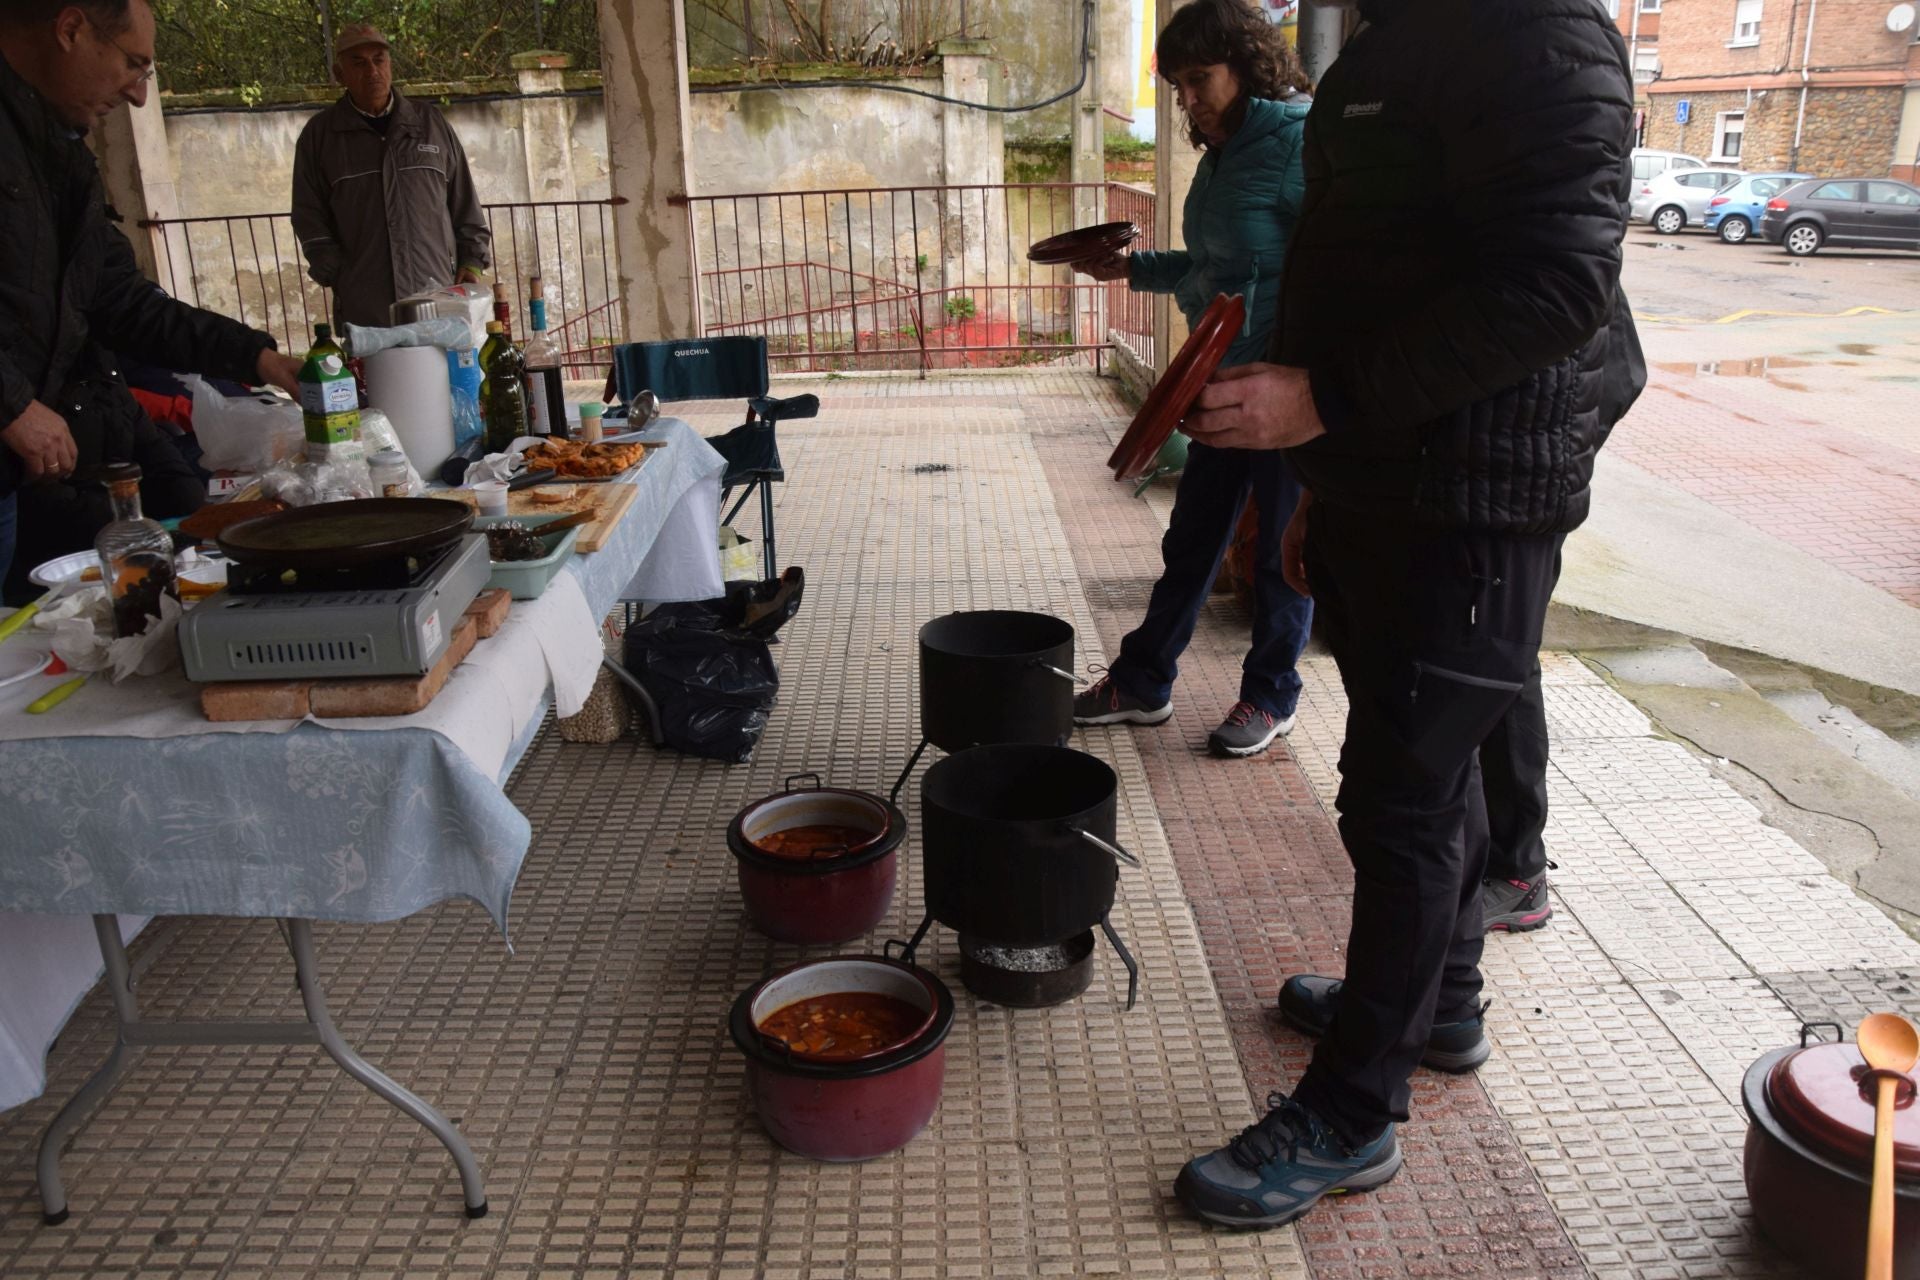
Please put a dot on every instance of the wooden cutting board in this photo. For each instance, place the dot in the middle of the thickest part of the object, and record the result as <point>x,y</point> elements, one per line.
<point>611,500</point>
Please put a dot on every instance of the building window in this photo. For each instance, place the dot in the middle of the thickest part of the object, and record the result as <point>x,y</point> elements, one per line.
<point>1649,6</point>
<point>1729,129</point>
<point>1646,64</point>
<point>1613,8</point>
<point>1746,23</point>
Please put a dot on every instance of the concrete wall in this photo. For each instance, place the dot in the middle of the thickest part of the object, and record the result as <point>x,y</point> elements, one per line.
<point>845,137</point>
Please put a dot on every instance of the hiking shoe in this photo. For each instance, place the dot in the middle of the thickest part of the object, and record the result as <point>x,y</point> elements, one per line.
<point>1247,731</point>
<point>1309,1001</point>
<point>1515,906</point>
<point>1107,703</point>
<point>1280,1166</point>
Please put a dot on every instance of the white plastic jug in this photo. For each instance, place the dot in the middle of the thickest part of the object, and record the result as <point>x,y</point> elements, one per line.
<point>409,385</point>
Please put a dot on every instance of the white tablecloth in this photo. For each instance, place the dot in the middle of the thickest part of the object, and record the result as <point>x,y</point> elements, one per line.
<point>124,800</point>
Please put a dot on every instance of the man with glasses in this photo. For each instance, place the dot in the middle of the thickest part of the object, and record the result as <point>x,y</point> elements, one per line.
<point>69,289</point>
<point>383,203</point>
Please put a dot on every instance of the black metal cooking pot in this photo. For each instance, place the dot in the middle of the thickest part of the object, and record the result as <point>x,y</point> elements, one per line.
<point>995,675</point>
<point>1018,843</point>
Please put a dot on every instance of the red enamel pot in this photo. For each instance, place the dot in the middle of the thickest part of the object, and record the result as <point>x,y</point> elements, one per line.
<point>852,1110</point>
<point>1809,1160</point>
<point>834,895</point>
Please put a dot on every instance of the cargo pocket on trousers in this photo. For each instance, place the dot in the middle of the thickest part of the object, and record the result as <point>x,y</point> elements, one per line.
<point>1450,713</point>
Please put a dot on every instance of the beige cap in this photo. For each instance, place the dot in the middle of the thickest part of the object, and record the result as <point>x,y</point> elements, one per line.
<point>355,34</point>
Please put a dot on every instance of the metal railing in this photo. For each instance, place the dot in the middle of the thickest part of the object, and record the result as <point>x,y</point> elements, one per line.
<point>1130,314</point>
<point>932,277</point>
<point>249,266</point>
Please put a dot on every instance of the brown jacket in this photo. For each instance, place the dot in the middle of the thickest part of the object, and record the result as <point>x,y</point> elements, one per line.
<point>385,218</point>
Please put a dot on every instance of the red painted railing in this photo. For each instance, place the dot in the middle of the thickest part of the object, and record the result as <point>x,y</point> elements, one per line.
<point>899,277</point>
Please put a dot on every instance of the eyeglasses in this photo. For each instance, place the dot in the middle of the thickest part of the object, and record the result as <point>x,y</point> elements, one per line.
<point>141,69</point>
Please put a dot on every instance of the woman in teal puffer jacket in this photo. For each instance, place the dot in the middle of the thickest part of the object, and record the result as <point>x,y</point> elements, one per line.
<point>1242,90</point>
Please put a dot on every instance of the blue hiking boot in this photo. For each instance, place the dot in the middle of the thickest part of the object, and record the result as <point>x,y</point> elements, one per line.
<point>1309,1001</point>
<point>1279,1167</point>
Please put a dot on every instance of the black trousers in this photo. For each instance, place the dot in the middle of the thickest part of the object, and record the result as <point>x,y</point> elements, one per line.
<point>1513,780</point>
<point>1436,634</point>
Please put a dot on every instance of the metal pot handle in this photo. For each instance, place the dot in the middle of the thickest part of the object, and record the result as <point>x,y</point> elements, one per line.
<point>1808,1028</point>
<point>1114,849</point>
<point>1043,665</point>
<point>808,774</point>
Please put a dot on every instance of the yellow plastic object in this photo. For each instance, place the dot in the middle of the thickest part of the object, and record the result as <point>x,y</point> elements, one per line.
<point>59,694</point>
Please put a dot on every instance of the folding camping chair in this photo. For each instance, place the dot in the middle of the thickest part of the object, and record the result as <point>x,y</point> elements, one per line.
<point>722,369</point>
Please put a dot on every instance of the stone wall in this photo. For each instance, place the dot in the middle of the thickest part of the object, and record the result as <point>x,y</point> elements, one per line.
<point>1847,131</point>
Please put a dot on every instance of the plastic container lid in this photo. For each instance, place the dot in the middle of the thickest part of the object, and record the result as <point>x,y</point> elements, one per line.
<point>592,409</point>
<point>1817,1097</point>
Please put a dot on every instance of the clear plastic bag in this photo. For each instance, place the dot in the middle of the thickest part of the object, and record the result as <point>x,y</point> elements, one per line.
<point>243,433</point>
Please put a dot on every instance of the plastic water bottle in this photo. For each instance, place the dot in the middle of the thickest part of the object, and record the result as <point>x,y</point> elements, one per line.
<point>463,372</point>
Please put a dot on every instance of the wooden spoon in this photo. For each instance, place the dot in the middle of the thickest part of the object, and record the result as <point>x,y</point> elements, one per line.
<point>1889,1043</point>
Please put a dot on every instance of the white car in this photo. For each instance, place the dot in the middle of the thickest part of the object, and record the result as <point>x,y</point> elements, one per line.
<point>1679,198</point>
<point>1648,163</point>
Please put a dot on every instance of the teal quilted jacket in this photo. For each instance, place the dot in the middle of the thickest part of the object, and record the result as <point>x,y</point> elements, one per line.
<point>1239,215</point>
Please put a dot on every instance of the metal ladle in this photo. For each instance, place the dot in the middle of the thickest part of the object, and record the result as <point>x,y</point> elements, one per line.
<point>1891,1045</point>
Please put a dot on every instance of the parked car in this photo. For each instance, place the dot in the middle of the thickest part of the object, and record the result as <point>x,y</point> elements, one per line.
<point>1735,212</point>
<point>1648,163</point>
<point>1847,213</point>
<point>1679,197</point>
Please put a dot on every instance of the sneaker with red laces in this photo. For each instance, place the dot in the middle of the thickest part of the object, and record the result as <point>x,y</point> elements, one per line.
<point>1247,731</point>
<point>1107,703</point>
<point>1515,906</point>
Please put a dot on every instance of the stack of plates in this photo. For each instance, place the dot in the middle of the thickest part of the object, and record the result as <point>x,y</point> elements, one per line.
<point>1088,244</point>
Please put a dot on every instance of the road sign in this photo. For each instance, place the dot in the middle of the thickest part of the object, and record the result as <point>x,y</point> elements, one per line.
<point>1682,111</point>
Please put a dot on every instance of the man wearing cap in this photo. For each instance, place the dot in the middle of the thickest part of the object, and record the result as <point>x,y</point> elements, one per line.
<point>383,203</point>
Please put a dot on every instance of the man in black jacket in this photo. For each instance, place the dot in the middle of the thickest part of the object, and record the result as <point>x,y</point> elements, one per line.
<point>69,289</point>
<point>1452,350</point>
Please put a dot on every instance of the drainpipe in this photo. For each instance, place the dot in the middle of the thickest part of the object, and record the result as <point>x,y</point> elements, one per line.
<point>1633,51</point>
<point>1806,57</point>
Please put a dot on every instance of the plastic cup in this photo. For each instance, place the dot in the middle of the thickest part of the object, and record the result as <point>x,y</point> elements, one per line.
<point>492,495</point>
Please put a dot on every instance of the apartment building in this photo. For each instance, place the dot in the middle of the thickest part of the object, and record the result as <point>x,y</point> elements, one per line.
<point>1823,86</point>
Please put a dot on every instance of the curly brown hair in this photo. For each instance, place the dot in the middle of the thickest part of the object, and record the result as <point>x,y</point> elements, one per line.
<point>1205,32</point>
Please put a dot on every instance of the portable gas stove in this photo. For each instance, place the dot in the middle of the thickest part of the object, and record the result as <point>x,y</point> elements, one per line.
<point>391,617</point>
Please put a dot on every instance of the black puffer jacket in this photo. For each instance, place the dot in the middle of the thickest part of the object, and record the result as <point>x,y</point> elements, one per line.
<point>1453,285</point>
<point>69,285</point>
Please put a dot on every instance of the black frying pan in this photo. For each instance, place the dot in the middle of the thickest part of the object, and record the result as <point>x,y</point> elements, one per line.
<point>339,535</point>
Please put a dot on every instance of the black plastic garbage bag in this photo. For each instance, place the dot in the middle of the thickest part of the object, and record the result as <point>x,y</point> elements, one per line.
<point>713,682</point>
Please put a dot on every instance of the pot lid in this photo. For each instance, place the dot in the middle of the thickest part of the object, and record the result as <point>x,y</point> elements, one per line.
<point>1816,1095</point>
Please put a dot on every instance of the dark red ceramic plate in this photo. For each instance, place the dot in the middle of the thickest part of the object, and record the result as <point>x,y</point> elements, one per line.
<point>1086,244</point>
<point>1167,404</point>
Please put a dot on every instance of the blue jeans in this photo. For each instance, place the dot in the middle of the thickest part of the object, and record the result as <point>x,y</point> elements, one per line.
<point>1213,490</point>
<point>9,514</point>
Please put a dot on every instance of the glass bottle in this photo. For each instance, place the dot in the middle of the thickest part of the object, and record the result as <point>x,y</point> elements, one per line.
<point>136,555</point>
<point>546,395</point>
<point>505,388</point>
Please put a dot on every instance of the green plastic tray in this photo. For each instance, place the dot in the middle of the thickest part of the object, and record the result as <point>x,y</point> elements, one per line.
<point>526,579</point>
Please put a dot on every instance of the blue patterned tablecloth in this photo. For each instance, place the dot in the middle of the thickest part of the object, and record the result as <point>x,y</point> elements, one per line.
<point>331,823</point>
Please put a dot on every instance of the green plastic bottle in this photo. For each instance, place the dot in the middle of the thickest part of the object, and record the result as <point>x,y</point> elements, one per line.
<point>329,399</point>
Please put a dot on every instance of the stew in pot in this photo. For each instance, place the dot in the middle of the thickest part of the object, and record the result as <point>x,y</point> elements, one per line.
<point>813,841</point>
<point>843,1025</point>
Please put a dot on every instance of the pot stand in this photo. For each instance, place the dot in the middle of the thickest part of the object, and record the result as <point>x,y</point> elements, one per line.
<point>893,796</point>
<point>912,945</point>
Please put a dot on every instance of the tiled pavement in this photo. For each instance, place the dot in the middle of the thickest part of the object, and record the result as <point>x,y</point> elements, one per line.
<point>590,1070</point>
<point>1803,435</point>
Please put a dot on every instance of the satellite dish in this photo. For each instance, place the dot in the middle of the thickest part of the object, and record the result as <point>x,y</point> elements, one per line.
<point>1900,18</point>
